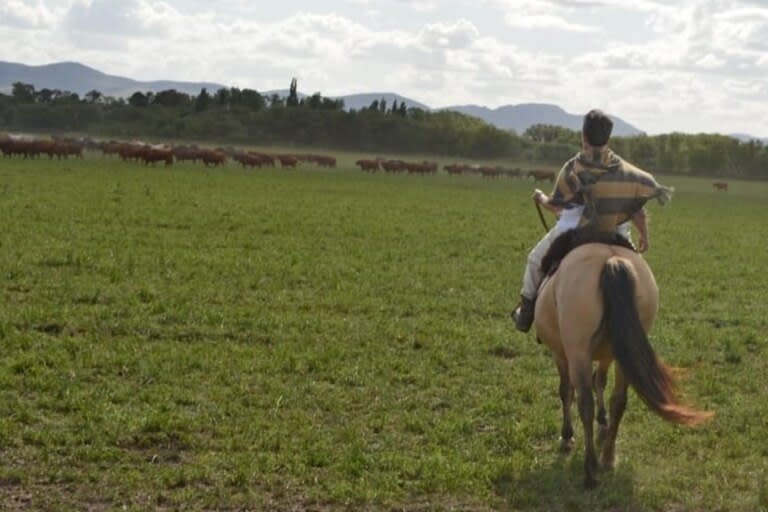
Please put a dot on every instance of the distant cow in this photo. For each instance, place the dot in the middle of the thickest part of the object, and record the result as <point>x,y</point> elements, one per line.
<point>288,160</point>
<point>247,160</point>
<point>153,155</point>
<point>368,165</point>
<point>393,165</point>
<point>720,185</point>
<point>542,176</point>
<point>324,161</point>
<point>212,157</point>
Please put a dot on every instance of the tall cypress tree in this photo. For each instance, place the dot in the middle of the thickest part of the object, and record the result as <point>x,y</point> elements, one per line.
<point>293,96</point>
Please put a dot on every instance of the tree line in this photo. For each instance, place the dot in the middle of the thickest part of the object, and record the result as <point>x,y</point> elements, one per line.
<point>233,115</point>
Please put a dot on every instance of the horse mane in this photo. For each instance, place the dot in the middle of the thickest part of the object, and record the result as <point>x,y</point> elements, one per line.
<point>574,238</point>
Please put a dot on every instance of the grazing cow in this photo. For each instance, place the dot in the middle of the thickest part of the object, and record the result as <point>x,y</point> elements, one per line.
<point>211,157</point>
<point>185,153</point>
<point>288,161</point>
<point>131,151</point>
<point>720,185</point>
<point>490,172</point>
<point>153,155</point>
<point>421,168</point>
<point>393,165</point>
<point>247,160</point>
<point>109,148</point>
<point>453,168</point>
<point>542,176</point>
<point>265,159</point>
<point>368,165</point>
<point>325,161</point>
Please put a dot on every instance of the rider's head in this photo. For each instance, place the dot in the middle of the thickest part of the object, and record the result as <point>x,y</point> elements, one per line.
<point>597,128</point>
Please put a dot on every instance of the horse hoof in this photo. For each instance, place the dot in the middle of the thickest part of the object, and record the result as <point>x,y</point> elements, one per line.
<point>566,445</point>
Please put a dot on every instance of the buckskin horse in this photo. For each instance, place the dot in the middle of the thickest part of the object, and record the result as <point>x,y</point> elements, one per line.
<point>599,306</point>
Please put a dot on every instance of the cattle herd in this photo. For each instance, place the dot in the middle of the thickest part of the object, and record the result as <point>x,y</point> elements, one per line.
<point>398,166</point>
<point>166,154</point>
<point>150,154</point>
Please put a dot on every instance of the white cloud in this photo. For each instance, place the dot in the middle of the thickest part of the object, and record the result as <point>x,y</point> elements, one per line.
<point>691,59</point>
<point>25,14</point>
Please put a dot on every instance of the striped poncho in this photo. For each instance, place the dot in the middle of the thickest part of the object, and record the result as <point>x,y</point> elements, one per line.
<point>610,189</point>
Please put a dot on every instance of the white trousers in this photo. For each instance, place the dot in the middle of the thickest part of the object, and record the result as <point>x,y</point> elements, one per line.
<point>569,219</point>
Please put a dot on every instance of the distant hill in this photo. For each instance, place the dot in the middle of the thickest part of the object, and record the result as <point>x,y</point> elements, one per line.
<point>358,101</point>
<point>743,137</point>
<point>521,117</point>
<point>78,78</point>
<point>75,77</point>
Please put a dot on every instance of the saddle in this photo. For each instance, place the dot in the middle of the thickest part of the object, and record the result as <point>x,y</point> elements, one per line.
<point>574,238</point>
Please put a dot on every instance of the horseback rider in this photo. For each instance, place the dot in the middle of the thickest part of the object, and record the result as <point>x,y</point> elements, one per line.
<point>595,189</point>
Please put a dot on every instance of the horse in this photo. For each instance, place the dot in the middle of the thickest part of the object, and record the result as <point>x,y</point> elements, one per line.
<point>599,305</point>
<point>720,185</point>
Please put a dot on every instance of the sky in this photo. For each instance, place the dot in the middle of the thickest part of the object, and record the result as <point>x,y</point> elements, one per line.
<point>662,65</point>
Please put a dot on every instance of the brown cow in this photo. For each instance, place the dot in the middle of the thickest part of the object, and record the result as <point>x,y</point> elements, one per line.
<point>265,159</point>
<point>211,157</point>
<point>185,153</point>
<point>720,185</point>
<point>153,155</point>
<point>288,161</point>
<point>324,161</point>
<point>368,165</point>
<point>393,165</point>
<point>131,151</point>
<point>542,176</point>
<point>454,168</point>
<point>247,160</point>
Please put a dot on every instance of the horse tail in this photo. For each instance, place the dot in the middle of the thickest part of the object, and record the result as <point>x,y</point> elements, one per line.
<point>650,378</point>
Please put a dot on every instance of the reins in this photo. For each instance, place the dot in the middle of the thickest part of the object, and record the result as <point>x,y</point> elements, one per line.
<point>541,216</point>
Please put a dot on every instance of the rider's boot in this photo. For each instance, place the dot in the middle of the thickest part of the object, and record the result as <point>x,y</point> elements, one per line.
<point>523,314</point>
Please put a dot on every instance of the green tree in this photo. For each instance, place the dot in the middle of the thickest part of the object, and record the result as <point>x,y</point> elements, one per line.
<point>93,96</point>
<point>252,99</point>
<point>139,99</point>
<point>203,100</point>
<point>171,98</point>
<point>23,93</point>
<point>223,97</point>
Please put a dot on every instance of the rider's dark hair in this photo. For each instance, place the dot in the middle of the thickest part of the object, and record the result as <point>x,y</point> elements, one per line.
<point>597,127</point>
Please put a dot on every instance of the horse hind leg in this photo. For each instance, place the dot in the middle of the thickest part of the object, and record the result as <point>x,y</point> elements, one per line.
<point>581,377</point>
<point>599,383</point>
<point>566,398</point>
<point>618,406</point>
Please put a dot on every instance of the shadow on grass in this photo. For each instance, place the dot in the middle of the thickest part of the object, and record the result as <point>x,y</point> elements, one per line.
<point>559,487</point>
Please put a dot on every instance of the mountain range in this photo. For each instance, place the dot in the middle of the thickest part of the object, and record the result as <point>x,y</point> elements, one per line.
<point>78,78</point>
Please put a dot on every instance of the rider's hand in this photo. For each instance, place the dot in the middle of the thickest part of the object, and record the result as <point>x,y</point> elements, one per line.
<point>642,244</point>
<point>539,196</point>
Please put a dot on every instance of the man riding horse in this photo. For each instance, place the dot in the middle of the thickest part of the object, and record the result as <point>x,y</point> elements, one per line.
<point>595,189</point>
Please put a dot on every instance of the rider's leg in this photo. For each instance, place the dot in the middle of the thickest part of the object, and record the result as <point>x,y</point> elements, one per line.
<point>532,277</point>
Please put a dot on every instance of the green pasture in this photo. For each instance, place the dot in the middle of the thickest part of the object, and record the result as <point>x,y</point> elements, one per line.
<point>190,339</point>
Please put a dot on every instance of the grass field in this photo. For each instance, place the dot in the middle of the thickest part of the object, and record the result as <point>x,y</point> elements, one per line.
<point>191,339</point>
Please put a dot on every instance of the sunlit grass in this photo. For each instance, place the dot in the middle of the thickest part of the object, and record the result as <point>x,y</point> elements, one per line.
<point>185,338</point>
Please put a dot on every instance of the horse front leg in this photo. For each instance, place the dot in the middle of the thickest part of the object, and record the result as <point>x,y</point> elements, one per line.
<point>566,398</point>
<point>618,406</point>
